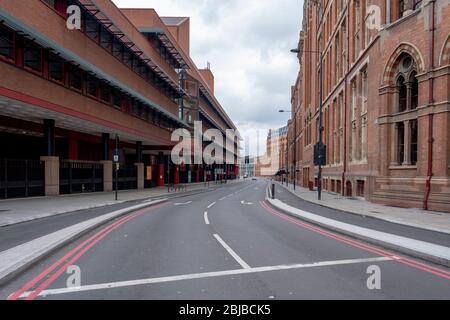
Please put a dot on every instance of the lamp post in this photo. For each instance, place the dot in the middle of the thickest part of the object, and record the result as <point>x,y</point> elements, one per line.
<point>320,144</point>
<point>295,146</point>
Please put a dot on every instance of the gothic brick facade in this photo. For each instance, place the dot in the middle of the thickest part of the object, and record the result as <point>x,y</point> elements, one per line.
<point>386,100</point>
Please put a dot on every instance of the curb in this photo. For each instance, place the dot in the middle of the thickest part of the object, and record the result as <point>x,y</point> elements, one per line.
<point>419,249</point>
<point>168,196</point>
<point>16,259</point>
<point>412,225</point>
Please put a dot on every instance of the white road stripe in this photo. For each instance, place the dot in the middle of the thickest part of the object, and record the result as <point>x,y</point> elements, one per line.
<point>232,253</point>
<point>183,203</point>
<point>140,282</point>
<point>212,204</point>
<point>223,198</point>
<point>206,217</point>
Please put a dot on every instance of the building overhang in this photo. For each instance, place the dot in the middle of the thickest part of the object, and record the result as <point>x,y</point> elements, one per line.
<point>44,41</point>
<point>161,35</point>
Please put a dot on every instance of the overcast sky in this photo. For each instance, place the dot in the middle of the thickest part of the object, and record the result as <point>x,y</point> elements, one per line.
<point>247,43</point>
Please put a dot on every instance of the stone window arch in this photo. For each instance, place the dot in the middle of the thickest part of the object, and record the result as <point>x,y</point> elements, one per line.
<point>445,53</point>
<point>401,77</point>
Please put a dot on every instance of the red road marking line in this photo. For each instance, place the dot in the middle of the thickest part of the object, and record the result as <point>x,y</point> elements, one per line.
<point>418,265</point>
<point>368,246</point>
<point>99,235</point>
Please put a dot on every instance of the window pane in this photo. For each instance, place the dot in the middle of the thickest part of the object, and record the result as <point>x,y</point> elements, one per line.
<point>33,56</point>
<point>75,78</point>
<point>414,138</point>
<point>6,43</point>
<point>55,67</point>
<point>128,58</point>
<point>105,38</point>
<point>117,98</point>
<point>92,27</point>
<point>92,86</point>
<point>401,142</point>
<point>117,48</point>
<point>51,3</point>
<point>105,91</point>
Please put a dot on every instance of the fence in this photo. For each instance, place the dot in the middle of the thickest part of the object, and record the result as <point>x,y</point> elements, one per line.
<point>80,177</point>
<point>21,178</point>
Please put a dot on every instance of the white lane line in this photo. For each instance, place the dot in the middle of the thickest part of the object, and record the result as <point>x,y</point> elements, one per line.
<point>206,217</point>
<point>183,203</point>
<point>204,275</point>
<point>211,205</point>
<point>232,253</point>
<point>223,198</point>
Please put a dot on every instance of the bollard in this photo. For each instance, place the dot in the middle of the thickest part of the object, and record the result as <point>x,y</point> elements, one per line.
<point>273,190</point>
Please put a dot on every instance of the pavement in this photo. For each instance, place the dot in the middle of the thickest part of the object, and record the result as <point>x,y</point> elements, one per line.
<point>429,220</point>
<point>13,211</point>
<point>224,244</point>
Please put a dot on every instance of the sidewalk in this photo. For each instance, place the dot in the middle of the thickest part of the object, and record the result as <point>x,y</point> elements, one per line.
<point>428,220</point>
<point>15,211</point>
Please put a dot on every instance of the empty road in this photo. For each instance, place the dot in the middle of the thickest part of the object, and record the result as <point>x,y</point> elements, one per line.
<point>225,244</point>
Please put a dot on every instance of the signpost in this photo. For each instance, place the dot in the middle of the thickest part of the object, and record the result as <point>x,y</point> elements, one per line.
<point>116,167</point>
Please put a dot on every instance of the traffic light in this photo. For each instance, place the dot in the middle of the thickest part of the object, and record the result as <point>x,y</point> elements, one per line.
<point>320,154</point>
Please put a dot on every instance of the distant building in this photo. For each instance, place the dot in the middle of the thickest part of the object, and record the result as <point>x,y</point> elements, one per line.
<point>247,166</point>
<point>276,154</point>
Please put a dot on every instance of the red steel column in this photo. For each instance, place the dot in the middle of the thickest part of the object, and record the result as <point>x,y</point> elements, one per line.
<point>161,175</point>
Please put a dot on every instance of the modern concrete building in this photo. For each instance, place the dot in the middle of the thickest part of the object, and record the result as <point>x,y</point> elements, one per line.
<point>386,97</point>
<point>65,95</point>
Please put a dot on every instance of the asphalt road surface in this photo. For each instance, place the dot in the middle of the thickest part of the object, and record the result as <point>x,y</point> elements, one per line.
<point>226,244</point>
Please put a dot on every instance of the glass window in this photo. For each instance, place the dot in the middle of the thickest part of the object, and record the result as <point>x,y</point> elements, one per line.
<point>117,48</point>
<point>92,27</point>
<point>75,77</point>
<point>116,98</point>
<point>51,3</point>
<point>402,95</point>
<point>128,58</point>
<point>55,67</point>
<point>414,92</point>
<point>401,142</point>
<point>6,43</point>
<point>92,86</point>
<point>105,92</point>
<point>414,136</point>
<point>105,38</point>
<point>33,56</point>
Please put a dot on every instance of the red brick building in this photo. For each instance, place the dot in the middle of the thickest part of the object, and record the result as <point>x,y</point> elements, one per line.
<point>386,98</point>
<point>66,94</point>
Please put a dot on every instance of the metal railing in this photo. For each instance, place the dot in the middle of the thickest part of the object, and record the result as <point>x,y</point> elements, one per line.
<point>80,176</point>
<point>21,178</point>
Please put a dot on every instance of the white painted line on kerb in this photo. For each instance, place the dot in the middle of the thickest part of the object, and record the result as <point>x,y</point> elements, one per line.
<point>140,282</point>
<point>206,217</point>
<point>232,253</point>
<point>212,204</point>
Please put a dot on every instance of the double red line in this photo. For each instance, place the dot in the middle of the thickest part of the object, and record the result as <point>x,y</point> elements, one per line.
<point>401,259</point>
<point>71,257</point>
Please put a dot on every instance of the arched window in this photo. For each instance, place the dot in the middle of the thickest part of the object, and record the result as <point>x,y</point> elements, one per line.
<point>407,84</point>
<point>402,94</point>
<point>414,90</point>
<point>405,129</point>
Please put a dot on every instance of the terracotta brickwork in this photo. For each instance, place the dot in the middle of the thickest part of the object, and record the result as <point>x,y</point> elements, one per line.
<point>386,100</point>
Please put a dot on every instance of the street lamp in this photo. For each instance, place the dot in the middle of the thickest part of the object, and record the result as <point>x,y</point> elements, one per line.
<point>320,147</point>
<point>295,147</point>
